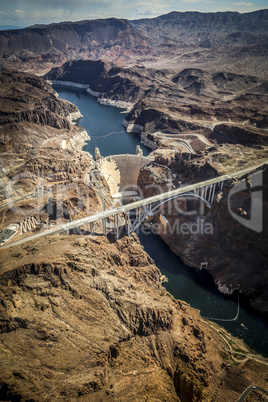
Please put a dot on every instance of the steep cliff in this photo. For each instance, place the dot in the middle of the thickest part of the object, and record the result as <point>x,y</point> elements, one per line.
<point>192,107</point>
<point>234,252</point>
<point>90,321</point>
<point>106,79</point>
<point>207,29</point>
<point>32,113</point>
<point>41,47</point>
<point>227,38</point>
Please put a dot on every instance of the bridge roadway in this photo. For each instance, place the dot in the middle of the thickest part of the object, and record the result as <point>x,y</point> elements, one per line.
<point>101,216</point>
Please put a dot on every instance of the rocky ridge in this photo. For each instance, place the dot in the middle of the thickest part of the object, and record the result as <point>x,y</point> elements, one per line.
<point>32,113</point>
<point>231,41</point>
<point>191,38</point>
<point>207,29</point>
<point>193,107</point>
<point>234,255</point>
<point>43,173</point>
<point>42,47</point>
<point>201,124</point>
<point>91,321</point>
<point>82,317</point>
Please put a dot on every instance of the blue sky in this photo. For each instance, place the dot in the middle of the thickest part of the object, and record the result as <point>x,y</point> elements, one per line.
<point>29,12</point>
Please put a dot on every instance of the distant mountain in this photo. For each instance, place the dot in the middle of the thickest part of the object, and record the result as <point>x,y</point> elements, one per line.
<point>191,36</point>
<point>231,41</point>
<point>207,29</point>
<point>111,39</point>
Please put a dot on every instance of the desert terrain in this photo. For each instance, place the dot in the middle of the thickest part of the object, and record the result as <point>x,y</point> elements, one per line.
<point>87,317</point>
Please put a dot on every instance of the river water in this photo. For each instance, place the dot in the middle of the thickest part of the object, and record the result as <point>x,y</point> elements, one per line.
<point>104,126</point>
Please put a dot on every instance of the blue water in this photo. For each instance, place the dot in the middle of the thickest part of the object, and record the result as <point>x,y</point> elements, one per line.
<point>104,125</point>
<point>199,290</point>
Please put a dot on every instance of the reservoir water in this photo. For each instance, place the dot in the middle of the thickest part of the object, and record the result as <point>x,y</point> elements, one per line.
<point>104,125</point>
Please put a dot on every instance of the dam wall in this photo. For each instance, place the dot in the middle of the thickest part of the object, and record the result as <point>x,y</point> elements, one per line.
<point>123,171</point>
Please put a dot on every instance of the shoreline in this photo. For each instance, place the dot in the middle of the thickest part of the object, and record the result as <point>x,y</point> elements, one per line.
<point>138,129</point>
<point>102,101</point>
<point>79,140</point>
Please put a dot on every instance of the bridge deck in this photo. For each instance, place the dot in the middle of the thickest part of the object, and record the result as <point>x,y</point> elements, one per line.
<point>137,204</point>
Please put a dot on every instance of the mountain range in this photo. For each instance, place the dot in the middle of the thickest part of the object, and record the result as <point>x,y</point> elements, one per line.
<point>87,318</point>
<point>176,37</point>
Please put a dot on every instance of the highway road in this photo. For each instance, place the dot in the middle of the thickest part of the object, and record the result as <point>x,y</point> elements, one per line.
<point>137,204</point>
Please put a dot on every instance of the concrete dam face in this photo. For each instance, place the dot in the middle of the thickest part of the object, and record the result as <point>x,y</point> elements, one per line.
<point>121,172</point>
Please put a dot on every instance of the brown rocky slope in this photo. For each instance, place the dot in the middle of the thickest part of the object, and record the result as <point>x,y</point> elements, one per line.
<point>210,107</point>
<point>236,40</point>
<point>41,47</point>
<point>84,319</point>
<point>32,113</point>
<point>235,254</point>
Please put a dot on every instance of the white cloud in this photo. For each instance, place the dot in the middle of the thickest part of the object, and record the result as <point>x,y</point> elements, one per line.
<point>158,4</point>
<point>30,12</point>
<point>141,11</point>
<point>243,4</point>
<point>147,8</point>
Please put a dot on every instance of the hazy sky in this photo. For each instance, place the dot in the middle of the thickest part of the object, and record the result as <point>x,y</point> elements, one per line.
<point>29,12</point>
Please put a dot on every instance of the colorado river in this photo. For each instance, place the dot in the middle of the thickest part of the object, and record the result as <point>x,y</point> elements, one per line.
<point>104,126</point>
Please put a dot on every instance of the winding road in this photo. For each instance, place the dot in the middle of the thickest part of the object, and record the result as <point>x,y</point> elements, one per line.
<point>249,390</point>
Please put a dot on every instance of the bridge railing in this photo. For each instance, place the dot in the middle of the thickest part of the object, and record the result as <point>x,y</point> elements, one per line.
<point>102,216</point>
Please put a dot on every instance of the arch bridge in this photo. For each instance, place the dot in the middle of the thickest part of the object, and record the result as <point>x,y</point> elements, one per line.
<point>143,208</point>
